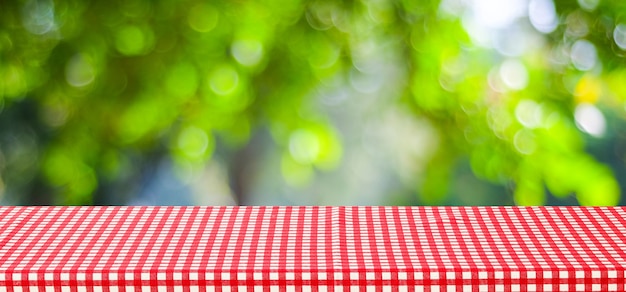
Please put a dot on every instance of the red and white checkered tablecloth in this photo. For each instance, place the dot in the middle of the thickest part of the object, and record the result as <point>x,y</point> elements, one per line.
<point>312,249</point>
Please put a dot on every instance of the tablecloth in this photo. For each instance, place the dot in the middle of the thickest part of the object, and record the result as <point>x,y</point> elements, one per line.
<point>345,249</point>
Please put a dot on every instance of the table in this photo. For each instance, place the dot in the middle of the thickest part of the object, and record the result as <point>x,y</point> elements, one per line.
<point>344,249</point>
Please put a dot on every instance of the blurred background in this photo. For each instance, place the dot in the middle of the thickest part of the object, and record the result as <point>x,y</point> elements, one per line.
<point>286,102</point>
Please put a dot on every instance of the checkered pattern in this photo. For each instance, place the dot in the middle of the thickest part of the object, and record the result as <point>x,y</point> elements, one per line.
<point>346,249</point>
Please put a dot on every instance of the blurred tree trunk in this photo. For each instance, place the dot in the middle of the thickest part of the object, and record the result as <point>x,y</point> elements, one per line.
<point>243,165</point>
<point>39,194</point>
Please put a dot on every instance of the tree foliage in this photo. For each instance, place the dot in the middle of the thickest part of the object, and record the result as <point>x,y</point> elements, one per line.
<point>90,90</point>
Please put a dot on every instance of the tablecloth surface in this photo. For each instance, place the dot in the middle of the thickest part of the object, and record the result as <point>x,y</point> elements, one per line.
<point>312,249</point>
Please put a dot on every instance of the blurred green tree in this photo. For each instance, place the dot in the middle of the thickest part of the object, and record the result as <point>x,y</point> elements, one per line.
<point>91,92</point>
